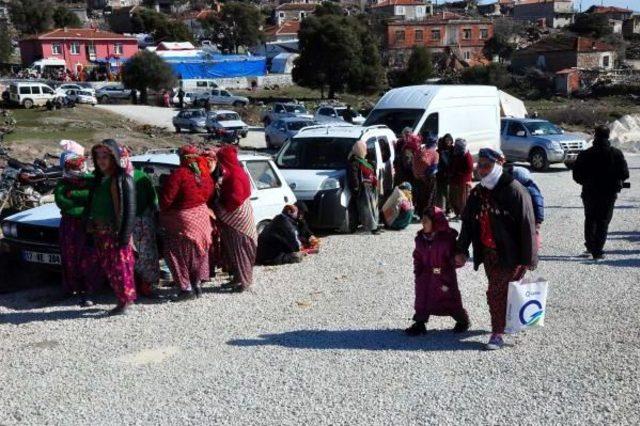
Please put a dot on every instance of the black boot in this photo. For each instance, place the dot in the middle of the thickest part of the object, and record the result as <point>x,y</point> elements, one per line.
<point>121,309</point>
<point>183,296</point>
<point>85,301</point>
<point>197,288</point>
<point>417,329</point>
<point>462,323</point>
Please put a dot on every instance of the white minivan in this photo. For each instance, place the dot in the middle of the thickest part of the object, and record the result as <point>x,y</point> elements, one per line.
<point>29,94</point>
<point>468,112</point>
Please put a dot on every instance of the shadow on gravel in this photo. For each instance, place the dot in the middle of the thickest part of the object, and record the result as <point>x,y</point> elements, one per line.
<point>625,263</point>
<point>18,318</point>
<point>624,235</point>
<point>625,206</point>
<point>368,340</point>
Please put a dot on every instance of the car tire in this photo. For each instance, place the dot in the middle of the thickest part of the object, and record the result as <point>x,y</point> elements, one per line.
<point>569,165</point>
<point>103,99</point>
<point>262,225</point>
<point>267,121</point>
<point>538,159</point>
<point>178,129</point>
<point>27,104</point>
<point>268,141</point>
<point>239,104</point>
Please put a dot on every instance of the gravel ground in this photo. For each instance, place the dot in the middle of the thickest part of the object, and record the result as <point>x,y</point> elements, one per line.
<point>321,343</point>
<point>161,117</point>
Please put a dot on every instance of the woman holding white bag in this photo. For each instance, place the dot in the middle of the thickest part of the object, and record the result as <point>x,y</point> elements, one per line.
<point>499,221</point>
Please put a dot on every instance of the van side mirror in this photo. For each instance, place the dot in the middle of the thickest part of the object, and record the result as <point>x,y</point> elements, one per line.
<point>521,133</point>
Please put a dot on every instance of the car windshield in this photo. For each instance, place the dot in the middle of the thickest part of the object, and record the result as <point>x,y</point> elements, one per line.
<point>316,153</point>
<point>84,93</point>
<point>537,128</point>
<point>297,125</point>
<point>395,119</point>
<point>227,116</point>
<point>295,109</point>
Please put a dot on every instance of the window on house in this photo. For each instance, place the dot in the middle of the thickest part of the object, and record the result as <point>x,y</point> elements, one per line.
<point>466,34</point>
<point>75,48</point>
<point>467,55</point>
<point>435,34</point>
<point>56,49</point>
<point>91,50</point>
<point>484,33</point>
<point>419,35</point>
<point>281,15</point>
<point>302,15</point>
<point>420,11</point>
<point>118,49</point>
<point>400,11</point>
<point>605,61</point>
<point>400,36</point>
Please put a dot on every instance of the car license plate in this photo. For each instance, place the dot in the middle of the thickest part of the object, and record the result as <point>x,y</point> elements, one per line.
<point>35,257</point>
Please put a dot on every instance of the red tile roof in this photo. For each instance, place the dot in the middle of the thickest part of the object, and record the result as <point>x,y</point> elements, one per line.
<point>571,44</point>
<point>388,3</point>
<point>521,2</point>
<point>80,34</point>
<point>608,9</point>
<point>308,7</point>
<point>287,28</point>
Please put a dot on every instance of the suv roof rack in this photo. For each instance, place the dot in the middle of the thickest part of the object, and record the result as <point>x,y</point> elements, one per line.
<point>325,126</point>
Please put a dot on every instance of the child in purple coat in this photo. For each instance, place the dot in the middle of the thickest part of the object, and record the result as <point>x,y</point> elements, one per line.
<point>436,283</point>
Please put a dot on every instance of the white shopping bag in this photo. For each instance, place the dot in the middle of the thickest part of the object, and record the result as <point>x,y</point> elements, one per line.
<point>526,304</point>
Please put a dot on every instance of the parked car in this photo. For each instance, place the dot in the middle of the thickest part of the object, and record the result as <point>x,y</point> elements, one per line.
<point>221,97</point>
<point>193,120</point>
<point>81,97</point>
<point>539,142</point>
<point>222,121</point>
<point>29,94</point>
<point>188,100</point>
<point>198,85</point>
<point>63,88</point>
<point>435,110</point>
<point>314,164</point>
<point>281,110</point>
<point>112,92</point>
<point>281,130</point>
<point>31,236</point>
<point>336,113</point>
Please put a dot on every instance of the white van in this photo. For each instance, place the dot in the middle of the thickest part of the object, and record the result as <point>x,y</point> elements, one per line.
<point>30,94</point>
<point>198,85</point>
<point>468,112</point>
<point>51,65</point>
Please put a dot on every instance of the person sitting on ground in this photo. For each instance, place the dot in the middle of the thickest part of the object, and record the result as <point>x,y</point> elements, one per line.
<point>436,283</point>
<point>523,176</point>
<point>310,243</point>
<point>279,243</point>
<point>398,210</point>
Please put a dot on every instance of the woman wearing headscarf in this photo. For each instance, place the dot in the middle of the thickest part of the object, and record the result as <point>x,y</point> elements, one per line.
<point>425,167</point>
<point>235,218</point>
<point>186,222</point>
<point>147,268</point>
<point>215,251</point>
<point>398,210</point>
<point>111,214</point>
<point>71,197</point>
<point>363,184</point>
<point>461,176</point>
<point>279,243</point>
<point>443,176</point>
<point>406,147</point>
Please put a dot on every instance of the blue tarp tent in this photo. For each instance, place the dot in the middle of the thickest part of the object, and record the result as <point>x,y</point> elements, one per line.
<point>217,66</point>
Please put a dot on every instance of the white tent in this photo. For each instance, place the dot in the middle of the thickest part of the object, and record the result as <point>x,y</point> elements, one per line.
<point>282,63</point>
<point>510,106</point>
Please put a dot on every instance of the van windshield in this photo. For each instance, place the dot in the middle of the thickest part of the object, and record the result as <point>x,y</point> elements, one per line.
<point>316,153</point>
<point>395,119</point>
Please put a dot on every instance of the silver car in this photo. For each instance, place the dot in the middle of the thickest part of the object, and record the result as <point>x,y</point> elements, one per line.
<point>539,142</point>
<point>194,120</point>
<point>280,131</point>
<point>222,122</point>
<point>112,91</point>
<point>281,110</point>
<point>337,113</point>
<point>221,97</point>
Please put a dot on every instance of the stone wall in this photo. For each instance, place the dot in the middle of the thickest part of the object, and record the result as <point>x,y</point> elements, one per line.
<point>595,60</point>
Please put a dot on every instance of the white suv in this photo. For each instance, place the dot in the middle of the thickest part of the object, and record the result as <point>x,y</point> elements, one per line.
<point>314,163</point>
<point>29,94</point>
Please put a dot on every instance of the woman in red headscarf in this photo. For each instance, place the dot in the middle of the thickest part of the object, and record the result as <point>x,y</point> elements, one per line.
<point>235,218</point>
<point>185,219</point>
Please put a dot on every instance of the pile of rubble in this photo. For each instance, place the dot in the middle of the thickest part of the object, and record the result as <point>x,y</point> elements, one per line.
<point>625,133</point>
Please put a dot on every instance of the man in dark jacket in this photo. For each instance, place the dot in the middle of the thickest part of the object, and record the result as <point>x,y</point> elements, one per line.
<point>601,170</point>
<point>500,224</point>
<point>279,242</point>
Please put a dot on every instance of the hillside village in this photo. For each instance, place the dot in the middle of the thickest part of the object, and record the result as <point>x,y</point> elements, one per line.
<point>568,51</point>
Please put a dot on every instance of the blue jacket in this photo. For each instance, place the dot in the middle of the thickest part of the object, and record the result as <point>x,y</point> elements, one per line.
<point>523,176</point>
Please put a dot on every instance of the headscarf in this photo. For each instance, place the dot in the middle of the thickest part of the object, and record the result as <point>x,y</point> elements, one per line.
<point>72,146</point>
<point>491,154</point>
<point>74,166</point>
<point>491,180</point>
<point>431,142</point>
<point>119,153</point>
<point>438,219</point>
<point>460,146</point>
<point>189,158</point>
<point>359,150</point>
<point>291,211</point>
<point>235,187</point>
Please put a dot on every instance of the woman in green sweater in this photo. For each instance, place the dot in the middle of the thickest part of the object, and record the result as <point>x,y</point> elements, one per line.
<point>147,267</point>
<point>78,260</point>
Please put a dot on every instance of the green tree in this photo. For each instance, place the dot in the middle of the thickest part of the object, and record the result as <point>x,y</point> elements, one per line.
<point>146,70</point>
<point>238,24</point>
<point>591,24</point>
<point>6,49</point>
<point>63,17</point>
<point>336,53</point>
<point>498,45</point>
<point>328,8</point>
<point>31,16</point>
<point>160,26</point>
<point>492,75</point>
<point>419,66</point>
